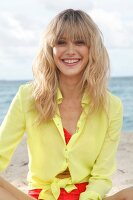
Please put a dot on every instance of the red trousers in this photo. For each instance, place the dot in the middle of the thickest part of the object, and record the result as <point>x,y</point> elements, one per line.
<point>73,195</point>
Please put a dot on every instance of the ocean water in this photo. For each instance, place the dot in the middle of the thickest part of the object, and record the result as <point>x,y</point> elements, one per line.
<point>122,87</point>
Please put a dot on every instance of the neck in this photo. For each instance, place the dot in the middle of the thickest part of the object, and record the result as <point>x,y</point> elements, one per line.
<point>70,87</point>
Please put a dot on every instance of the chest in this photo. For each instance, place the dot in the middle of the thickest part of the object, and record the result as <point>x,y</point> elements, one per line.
<point>70,113</point>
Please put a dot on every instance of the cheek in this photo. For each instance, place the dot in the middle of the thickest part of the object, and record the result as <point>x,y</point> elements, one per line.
<point>57,52</point>
<point>54,53</point>
<point>86,55</point>
<point>56,56</point>
<point>84,51</point>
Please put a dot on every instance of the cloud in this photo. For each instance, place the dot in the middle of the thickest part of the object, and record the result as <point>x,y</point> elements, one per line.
<point>65,4</point>
<point>22,23</point>
<point>113,28</point>
<point>14,31</point>
<point>19,39</point>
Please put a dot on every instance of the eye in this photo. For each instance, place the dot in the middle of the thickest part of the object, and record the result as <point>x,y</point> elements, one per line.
<point>79,42</point>
<point>61,42</point>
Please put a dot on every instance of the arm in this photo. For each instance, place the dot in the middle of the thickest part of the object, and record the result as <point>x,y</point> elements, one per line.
<point>12,192</point>
<point>125,194</point>
<point>11,130</point>
<point>99,182</point>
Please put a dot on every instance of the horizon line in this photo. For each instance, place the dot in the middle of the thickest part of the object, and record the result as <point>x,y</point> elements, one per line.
<point>32,79</point>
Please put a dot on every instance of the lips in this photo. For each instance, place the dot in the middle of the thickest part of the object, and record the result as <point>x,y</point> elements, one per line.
<point>70,61</point>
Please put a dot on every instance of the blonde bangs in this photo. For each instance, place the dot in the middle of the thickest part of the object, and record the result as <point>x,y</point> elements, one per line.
<point>72,28</point>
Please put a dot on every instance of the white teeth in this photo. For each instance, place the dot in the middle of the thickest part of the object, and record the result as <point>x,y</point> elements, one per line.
<point>71,61</point>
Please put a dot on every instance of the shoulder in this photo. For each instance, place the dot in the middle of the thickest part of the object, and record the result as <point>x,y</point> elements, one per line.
<point>113,99</point>
<point>25,89</point>
<point>25,94</point>
<point>115,104</point>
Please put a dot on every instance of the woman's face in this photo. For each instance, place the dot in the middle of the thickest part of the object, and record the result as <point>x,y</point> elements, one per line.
<point>71,57</point>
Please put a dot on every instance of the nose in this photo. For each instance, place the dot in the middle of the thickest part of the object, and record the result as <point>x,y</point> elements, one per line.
<point>70,49</point>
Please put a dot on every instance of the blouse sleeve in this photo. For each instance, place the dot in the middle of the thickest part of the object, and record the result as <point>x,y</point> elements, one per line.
<point>11,130</point>
<point>100,182</point>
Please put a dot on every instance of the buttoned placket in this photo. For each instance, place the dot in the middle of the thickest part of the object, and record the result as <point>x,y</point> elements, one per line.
<point>80,123</point>
<point>58,123</point>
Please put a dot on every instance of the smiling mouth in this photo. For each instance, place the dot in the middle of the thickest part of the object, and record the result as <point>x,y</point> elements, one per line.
<point>70,61</point>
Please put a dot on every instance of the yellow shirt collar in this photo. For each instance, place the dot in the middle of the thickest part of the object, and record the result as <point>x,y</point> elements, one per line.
<point>59,96</point>
<point>85,99</point>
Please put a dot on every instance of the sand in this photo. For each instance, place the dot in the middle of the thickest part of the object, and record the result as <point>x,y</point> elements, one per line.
<point>17,171</point>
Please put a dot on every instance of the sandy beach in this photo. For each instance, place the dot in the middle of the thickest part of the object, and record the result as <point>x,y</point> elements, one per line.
<point>17,171</point>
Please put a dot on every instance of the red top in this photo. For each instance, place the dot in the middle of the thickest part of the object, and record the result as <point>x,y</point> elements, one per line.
<point>67,135</point>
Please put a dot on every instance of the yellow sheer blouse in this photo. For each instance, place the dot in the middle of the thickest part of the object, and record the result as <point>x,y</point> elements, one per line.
<point>89,155</point>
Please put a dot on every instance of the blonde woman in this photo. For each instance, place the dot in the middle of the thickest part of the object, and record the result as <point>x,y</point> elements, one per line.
<point>72,121</point>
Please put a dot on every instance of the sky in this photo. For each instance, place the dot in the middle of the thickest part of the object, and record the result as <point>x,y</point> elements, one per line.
<point>22,24</point>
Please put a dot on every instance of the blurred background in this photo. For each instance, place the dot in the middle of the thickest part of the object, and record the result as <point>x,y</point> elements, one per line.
<point>21,26</point>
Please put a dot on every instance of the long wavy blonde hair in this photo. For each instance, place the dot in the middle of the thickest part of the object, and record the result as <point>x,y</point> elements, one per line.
<point>74,24</point>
